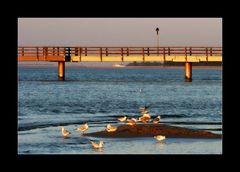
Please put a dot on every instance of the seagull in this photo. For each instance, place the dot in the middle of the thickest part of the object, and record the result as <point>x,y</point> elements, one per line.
<point>83,128</point>
<point>143,119</point>
<point>144,109</point>
<point>110,128</point>
<point>146,115</point>
<point>65,132</point>
<point>159,137</point>
<point>97,146</point>
<point>122,119</point>
<point>156,120</point>
<point>131,121</point>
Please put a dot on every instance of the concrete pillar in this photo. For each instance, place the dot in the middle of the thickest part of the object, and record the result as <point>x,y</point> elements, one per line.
<point>61,71</point>
<point>188,71</point>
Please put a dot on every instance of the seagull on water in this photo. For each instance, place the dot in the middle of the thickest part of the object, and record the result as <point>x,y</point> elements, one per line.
<point>97,145</point>
<point>83,128</point>
<point>110,128</point>
<point>65,132</point>
<point>156,120</point>
<point>159,137</point>
<point>122,119</point>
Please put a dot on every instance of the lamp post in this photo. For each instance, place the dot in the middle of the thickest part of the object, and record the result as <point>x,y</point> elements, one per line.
<point>157,30</point>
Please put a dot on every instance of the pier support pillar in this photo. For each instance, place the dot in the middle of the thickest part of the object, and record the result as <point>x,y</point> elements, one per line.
<point>61,71</point>
<point>188,71</point>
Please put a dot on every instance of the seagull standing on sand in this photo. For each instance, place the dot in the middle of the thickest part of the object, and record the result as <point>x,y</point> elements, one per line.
<point>156,120</point>
<point>83,128</point>
<point>147,115</point>
<point>110,128</point>
<point>65,132</point>
<point>143,119</point>
<point>131,121</point>
<point>97,146</point>
<point>122,119</point>
<point>159,137</point>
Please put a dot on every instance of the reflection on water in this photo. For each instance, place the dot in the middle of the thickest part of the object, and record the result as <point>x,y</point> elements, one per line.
<point>160,143</point>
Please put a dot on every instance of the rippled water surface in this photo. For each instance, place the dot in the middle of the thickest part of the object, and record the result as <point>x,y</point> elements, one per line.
<point>100,95</point>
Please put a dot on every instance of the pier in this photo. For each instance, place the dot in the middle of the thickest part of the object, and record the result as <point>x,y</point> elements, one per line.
<point>60,54</point>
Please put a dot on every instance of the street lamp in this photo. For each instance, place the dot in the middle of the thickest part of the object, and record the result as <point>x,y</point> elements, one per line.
<point>157,30</point>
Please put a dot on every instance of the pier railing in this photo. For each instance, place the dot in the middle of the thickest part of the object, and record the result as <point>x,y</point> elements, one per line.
<point>123,54</point>
<point>119,51</point>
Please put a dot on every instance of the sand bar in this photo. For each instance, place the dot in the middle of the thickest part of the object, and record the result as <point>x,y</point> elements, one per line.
<point>150,130</point>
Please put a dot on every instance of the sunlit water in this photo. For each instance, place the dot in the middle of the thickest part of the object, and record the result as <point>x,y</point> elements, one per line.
<point>99,96</point>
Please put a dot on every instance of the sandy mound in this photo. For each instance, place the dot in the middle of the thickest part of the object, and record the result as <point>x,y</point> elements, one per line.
<point>150,130</point>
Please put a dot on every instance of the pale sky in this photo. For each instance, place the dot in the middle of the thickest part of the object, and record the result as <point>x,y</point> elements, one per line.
<point>119,31</point>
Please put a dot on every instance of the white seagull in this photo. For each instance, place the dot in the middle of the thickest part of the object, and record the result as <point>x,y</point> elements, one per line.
<point>122,119</point>
<point>110,128</point>
<point>97,146</point>
<point>143,119</point>
<point>65,132</point>
<point>131,121</point>
<point>147,115</point>
<point>83,128</point>
<point>159,137</point>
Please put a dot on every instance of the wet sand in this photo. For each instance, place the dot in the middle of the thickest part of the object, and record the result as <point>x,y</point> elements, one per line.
<point>150,130</point>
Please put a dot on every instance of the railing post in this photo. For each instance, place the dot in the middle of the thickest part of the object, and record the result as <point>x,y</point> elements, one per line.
<point>185,51</point>
<point>101,54</point>
<point>58,51</point>
<point>86,51</point>
<point>122,53</point>
<point>143,53</point>
<point>127,51</point>
<point>106,51</point>
<point>37,54</point>
<point>64,52</point>
<point>76,51</point>
<point>22,51</point>
<point>190,51</point>
<point>207,54</point>
<point>164,54</point>
<point>44,52</point>
<point>81,54</point>
<point>211,51</point>
<point>148,51</point>
<point>169,51</point>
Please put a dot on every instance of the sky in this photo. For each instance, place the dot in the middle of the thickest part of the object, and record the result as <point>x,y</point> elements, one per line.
<point>119,31</point>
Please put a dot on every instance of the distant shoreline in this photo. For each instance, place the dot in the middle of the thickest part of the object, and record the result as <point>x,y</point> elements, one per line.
<point>128,67</point>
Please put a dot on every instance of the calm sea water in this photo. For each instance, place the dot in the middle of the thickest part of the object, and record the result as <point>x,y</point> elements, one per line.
<point>99,96</point>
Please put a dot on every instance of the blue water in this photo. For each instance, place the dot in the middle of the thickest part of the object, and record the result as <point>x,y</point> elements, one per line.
<point>100,95</point>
